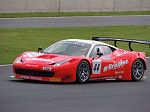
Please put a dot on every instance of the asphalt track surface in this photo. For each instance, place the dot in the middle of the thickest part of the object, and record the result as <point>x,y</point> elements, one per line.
<point>97,96</point>
<point>74,21</point>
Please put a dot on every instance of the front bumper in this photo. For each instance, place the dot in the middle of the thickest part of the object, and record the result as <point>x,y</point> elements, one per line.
<point>36,72</point>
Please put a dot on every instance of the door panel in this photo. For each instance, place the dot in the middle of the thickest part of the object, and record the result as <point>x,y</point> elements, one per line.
<point>103,66</point>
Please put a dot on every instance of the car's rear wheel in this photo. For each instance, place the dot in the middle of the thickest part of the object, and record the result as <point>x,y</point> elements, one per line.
<point>83,72</point>
<point>137,70</point>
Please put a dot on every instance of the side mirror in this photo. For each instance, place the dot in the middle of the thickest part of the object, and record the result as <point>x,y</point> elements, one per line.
<point>39,49</point>
<point>99,53</point>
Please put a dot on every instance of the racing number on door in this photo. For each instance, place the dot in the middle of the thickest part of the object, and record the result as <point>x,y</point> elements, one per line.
<point>96,66</point>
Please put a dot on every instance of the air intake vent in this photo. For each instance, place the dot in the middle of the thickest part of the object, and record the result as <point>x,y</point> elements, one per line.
<point>34,73</point>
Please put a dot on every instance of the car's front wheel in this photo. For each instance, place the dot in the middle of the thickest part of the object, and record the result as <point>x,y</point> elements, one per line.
<point>137,70</point>
<point>83,72</point>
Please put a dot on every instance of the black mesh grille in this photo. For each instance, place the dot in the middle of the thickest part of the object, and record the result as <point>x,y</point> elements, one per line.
<point>34,73</point>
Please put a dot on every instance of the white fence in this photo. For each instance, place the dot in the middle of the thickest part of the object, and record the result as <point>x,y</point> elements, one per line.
<point>9,6</point>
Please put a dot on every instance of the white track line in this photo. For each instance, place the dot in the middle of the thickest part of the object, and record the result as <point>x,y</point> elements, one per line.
<point>7,65</point>
<point>12,76</point>
<point>74,16</point>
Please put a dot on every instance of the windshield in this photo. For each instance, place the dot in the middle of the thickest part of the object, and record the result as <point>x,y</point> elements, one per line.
<point>71,48</point>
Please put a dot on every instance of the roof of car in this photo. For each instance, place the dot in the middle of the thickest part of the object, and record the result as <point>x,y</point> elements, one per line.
<point>93,42</point>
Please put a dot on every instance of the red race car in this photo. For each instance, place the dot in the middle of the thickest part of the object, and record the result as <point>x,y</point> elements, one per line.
<point>82,60</point>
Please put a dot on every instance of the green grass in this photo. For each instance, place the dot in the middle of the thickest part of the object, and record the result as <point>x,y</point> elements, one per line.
<point>57,14</point>
<point>13,42</point>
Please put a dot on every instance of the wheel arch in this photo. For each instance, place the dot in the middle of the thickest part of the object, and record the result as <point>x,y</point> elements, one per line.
<point>89,64</point>
<point>145,67</point>
<point>133,77</point>
<point>78,78</point>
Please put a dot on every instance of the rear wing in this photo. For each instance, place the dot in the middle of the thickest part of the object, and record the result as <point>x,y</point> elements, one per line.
<point>123,40</point>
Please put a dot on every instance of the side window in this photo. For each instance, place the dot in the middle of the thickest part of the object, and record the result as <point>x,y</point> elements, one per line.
<point>94,51</point>
<point>106,50</point>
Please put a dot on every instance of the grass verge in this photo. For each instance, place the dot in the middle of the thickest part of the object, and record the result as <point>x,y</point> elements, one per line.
<point>13,42</point>
<point>57,14</point>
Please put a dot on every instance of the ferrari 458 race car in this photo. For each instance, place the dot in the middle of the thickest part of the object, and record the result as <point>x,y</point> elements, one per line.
<point>82,60</point>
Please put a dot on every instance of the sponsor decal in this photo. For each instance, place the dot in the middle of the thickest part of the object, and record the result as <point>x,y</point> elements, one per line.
<point>40,59</point>
<point>106,78</point>
<point>115,65</point>
<point>120,77</point>
<point>122,52</point>
<point>34,54</point>
<point>36,78</point>
<point>47,68</point>
<point>32,65</point>
<point>106,58</point>
<point>30,77</point>
<point>96,66</point>
<point>26,77</point>
<point>55,79</point>
<point>77,43</point>
<point>114,57</point>
<point>111,79</point>
<point>119,72</point>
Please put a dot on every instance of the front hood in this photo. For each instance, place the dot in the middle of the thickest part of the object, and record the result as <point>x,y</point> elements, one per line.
<point>42,58</point>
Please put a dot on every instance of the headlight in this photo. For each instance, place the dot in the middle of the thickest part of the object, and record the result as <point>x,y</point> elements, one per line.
<point>62,62</point>
<point>19,59</point>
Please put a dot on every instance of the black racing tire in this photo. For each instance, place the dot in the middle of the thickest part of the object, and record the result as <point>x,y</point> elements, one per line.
<point>137,70</point>
<point>83,72</point>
